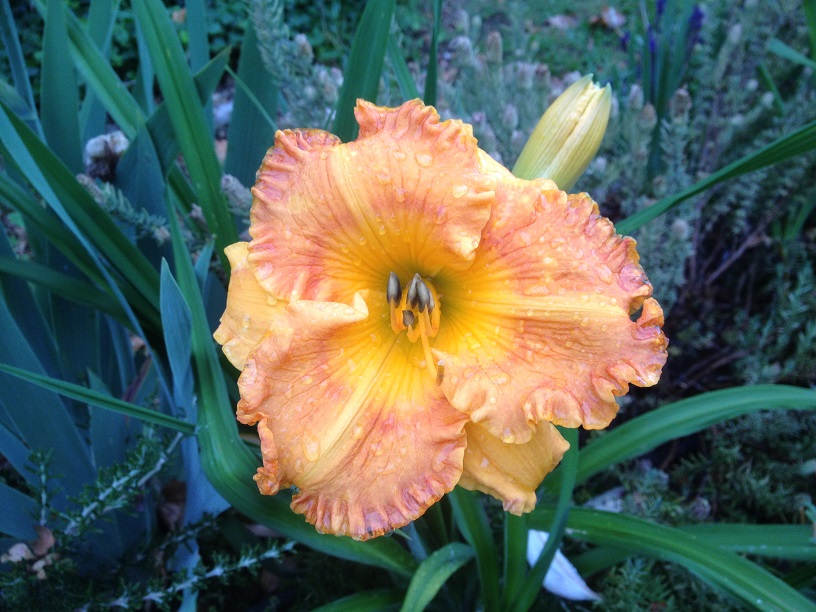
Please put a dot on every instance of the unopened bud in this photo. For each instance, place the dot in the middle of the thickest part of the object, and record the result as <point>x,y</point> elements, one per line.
<point>568,135</point>
<point>647,118</point>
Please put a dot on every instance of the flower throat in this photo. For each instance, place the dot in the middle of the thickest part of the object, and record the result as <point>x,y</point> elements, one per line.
<point>417,311</point>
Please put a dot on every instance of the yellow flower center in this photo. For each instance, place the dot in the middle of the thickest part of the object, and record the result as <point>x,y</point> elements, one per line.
<point>416,311</point>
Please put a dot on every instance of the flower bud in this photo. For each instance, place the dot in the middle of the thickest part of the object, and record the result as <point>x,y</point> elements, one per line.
<point>568,135</point>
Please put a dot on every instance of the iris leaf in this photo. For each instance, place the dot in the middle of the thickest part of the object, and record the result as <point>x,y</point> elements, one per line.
<point>379,600</point>
<point>100,400</point>
<point>433,60</point>
<point>405,81</point>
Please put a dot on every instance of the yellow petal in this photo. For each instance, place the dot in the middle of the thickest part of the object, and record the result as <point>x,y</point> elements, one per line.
<point>345,415</point>
<point>329,219</point>
<point>541,328</point>
<point>511,472</point>
<point>249,309</point>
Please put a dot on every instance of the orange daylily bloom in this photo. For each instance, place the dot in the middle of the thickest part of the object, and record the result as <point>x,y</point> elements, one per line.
<point>410,316</point>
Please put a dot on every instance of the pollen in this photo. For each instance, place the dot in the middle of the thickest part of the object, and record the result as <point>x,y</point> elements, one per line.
<point>416,311</point>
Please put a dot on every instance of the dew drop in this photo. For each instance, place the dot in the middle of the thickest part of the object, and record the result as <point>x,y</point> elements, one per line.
<point>299,466</point>
<point>376,448</point>
<point>311,448</point>
<point>459,190</point>
<point>352,366</point>
<point>381,230</point>
<point>246,321</point>
<point>361,240</point>
<point>357,432</point>
<point>585,322</point>
<point>484,463</point>
<point>323,155</point>
<point>424,159</point>
<point>399,155</point>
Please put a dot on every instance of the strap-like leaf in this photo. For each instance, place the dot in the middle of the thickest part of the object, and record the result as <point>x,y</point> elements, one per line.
<point>433,572</point>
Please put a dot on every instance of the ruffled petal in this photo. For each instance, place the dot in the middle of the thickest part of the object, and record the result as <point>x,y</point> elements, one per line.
<point>511,472</point>
<point>345,415</point>
<point>540,327</point>
<point>249,312</point>
<point>407,196</point>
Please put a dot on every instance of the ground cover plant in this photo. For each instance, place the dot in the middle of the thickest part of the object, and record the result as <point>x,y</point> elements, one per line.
<point>127,157</point>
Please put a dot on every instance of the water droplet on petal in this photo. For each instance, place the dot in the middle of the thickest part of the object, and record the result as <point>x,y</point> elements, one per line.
<point>399,155</point>
<point>246,321</point>
<point>424,159</point>
<point>357,432</point>
<point>459,190</point>
<point>484,463</point>
<point>311,448</point>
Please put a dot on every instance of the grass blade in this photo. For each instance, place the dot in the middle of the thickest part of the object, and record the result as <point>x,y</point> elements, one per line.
<point>785,147</point>
<point>432,573</point>
<point>94,398</point>
<point>471,519</point>
<point>739,577</point>
<point>17,511</point>
<point>364,67</point>
<point>678,419</point>
<point>189,123</point>
<point>777,47</point>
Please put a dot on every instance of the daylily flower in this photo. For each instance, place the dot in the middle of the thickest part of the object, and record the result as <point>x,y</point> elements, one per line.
<point>410,316</point>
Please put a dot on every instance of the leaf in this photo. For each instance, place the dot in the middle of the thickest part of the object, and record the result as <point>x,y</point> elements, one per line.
<point>14,54</point>
<point>727,571</point>
<point>189,123</point>
<point>59,99</point>
<point>433,61</point>
<point>432,573</point>
<point>569,467</point>
<point>101,19</point>
<point>94,398</point>
<point>407,86</point>
<point>364,67</point>
<point>790,145</point>
<point>378,600</point>
<point>17,512</point>
<point>677,419</point>
<point>177,328</point>
<point>252,127</point>
<point>472,521</point>
<point>777,47</point>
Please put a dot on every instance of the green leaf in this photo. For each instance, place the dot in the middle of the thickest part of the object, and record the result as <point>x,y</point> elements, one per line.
<point>733,574</point>
<point>773,541</point>
<point>17,511</point>
<point>189,123</point>
<point>515,556</point>
<point>252,127</point>
<point>364,67</point>
<point>101,20</point>
<point>785,147</point>
<point>75,206</point>
<point>14,54</point>
<point>433,61</point>
<point>88,396</point>
<point>678,419</point>
<point>100,76</point>
<point>407,86</point>
<point>40,416</point>
<point>810,18</point>
<point>229,464</point>
<point>63,285</point>
<point>12,100</point>
<point>432,573</point>
<point>471,519</point>
<point>177,328</point>
<point>378,600</point>
<point>777,47</point>
<point>59,98</point>
<point>532,584</point>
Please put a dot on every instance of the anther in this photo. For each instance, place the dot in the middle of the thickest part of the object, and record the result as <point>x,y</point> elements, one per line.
<point>408,318</point>
<point>413,291</point>
<point>440,372</point>
<point>394,291</point>
<point>423,296</point>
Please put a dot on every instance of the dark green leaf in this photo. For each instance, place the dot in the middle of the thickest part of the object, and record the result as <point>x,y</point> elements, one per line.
<point>380,600</point>
<point>433,572</point>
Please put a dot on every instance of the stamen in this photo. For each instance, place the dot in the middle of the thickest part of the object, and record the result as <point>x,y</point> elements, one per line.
<point>429,361</point>
<point>413,291</point>
<point>423,296</point>
<point>408,318</point>
<point>394,291</point>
